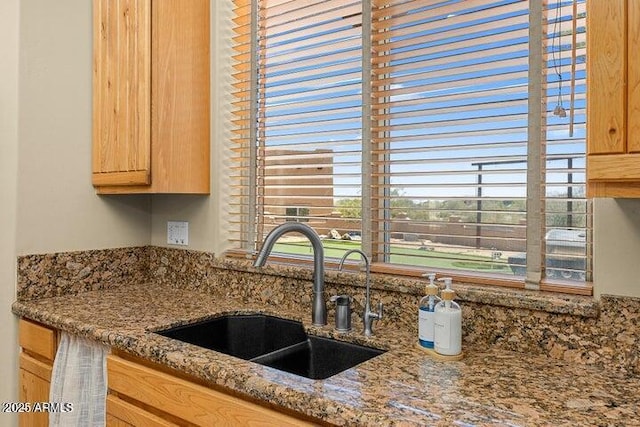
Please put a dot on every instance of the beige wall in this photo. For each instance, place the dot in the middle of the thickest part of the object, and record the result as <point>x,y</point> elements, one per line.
<point>616,243</point>
<point>47,203</point>
<point>58,209</point>
<point>8,177</point>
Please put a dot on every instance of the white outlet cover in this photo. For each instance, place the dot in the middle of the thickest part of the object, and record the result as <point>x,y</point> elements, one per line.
<point>178,233</point>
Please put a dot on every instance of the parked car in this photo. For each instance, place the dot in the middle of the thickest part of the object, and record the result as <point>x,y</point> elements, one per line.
<point>566,250</point>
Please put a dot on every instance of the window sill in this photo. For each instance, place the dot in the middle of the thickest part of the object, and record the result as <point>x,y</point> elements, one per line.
<point>483,292</point>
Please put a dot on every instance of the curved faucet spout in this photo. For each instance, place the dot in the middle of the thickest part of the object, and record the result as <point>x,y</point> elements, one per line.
<point>368,317</point>
<point>367,265</point>
<point>319,308</point>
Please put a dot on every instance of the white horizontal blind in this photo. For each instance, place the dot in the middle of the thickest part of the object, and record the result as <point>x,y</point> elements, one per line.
<point>447,139</point>
<point>567,211</point>
<point>242,212</point>
<point>309,126</point>
<point>451,106</point>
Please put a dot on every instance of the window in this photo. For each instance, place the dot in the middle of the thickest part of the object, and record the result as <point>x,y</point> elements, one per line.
<point>297,214</point>
<point>446,135</point>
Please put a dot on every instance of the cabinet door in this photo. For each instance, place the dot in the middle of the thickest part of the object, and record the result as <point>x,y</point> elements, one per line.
<point>606,70</point>
<point>122,92</point>
<point>35,377</point>
<point>633,76</point>
<point>39,345</point>
<point>613,98</point>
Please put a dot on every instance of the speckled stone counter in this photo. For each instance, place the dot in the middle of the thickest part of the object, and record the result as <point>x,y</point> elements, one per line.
<point>490,386</point>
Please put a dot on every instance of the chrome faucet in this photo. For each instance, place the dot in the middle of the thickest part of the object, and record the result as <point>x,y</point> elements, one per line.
<point>319,305</point>
<point>368,316</point>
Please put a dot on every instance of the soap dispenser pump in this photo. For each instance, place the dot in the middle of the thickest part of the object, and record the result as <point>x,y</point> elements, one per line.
<point>448,323</point>
<point>426,312</point>
<point>447,281</point>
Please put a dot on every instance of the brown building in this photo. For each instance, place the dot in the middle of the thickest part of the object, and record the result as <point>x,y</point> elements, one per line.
<point>298,184</point>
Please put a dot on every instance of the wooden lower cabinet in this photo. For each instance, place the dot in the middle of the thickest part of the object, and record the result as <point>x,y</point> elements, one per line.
<point>39,344</point>
<point>142,395</point>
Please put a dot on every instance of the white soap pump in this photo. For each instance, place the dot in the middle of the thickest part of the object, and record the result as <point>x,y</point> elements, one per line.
<point>448,323</point>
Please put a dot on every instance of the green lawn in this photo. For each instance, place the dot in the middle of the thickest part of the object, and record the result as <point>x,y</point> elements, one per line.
<point>405,256</point>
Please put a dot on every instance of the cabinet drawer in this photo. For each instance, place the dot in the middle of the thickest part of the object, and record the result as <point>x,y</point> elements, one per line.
<point>37,339</point>
<point>121,414</point>
<point>186,400</point>
<point>36,367</point>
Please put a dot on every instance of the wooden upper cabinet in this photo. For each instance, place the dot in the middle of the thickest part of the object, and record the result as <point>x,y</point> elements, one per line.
<point>613,98</point>
<point>633,70</point>
<point>122,92</point>
<point>151,97</point>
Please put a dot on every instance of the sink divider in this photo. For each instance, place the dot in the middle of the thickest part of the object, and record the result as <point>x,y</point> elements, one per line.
<point>270,357</point>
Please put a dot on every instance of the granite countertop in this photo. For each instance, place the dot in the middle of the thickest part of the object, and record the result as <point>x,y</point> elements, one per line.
<point>404,386</point>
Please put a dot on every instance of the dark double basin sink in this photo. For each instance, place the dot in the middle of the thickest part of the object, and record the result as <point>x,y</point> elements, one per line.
<point>271,341</point>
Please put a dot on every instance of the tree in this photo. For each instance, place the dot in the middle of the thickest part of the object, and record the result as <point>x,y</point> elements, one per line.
<point>350,208</point>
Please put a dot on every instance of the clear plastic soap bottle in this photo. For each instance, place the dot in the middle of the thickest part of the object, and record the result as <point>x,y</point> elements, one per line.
<point>426,313</point>
<point>448,324</point>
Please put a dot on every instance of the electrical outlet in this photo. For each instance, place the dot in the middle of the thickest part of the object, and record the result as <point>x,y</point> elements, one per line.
<point>178,233</point>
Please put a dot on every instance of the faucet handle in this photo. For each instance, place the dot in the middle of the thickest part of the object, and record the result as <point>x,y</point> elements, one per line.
<point>378,315</point>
